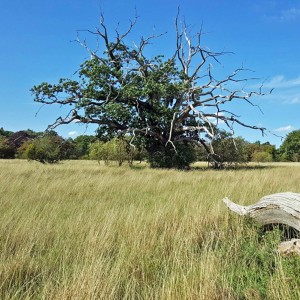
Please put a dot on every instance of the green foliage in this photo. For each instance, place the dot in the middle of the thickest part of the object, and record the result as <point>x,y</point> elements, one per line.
<point>68,149</point>
<point>259,147</point>
<point>5,133</point>
<point>98,151</point>
<point>33,133</point>
<point>161,156</point>
<point>6,150</point>
<point>160,87</point>
<point>21,152</point>
<point>47,149</point>
<point>156,100</point>
<point>114,150</point>
<point>290,148</point>
<point>82,144</point>
<point>262,156</point>
<point>229,151</point>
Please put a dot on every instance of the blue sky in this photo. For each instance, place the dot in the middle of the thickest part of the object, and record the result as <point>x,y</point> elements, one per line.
<point>36,45</point>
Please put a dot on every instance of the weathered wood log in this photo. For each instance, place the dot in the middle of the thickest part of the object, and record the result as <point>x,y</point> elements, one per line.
<point>289,247</point>
<point>281,208</point>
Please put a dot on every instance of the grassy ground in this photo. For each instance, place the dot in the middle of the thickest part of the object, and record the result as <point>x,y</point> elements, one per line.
<point>77,230</point>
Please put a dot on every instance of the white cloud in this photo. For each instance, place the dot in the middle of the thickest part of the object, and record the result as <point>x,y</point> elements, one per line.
<point>286,91</point>
<point>72,133</point>
<point>287,15</point>
<point>295,99</point>
<point>290,14</point>
<point>285,128</point>
<point>280,81</point>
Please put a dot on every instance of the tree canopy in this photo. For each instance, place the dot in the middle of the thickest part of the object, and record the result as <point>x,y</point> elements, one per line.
<point>290,148</point>
<point>5,133</point>
<point>165,104</point>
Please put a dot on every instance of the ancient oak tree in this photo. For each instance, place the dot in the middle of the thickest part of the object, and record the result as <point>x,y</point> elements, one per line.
<point>166,104</point>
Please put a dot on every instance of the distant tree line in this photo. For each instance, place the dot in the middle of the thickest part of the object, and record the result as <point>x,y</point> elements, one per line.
<point>49,147</point>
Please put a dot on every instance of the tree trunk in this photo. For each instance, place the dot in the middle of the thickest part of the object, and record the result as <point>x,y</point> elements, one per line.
<point>281,208</point>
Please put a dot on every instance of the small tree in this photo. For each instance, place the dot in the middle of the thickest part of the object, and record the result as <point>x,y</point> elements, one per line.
<point>98,151</point>
<point>46,149</point>
<point>114,150</point>
<point>166,104</point>
<point>229,151</point>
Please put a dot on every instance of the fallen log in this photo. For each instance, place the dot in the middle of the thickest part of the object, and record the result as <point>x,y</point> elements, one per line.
<point>289,247</point>
<point>281,208</point>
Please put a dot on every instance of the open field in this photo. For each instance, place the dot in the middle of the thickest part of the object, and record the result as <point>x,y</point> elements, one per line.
<point>77,230</point>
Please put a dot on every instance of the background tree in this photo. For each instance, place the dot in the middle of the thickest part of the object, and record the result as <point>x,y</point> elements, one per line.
<point>262,156</point>
<point>167,104</point>
<point>49,148</point>
<point>6,150</point>
<point>254,148</point>
<point>82,144</point>
<point>229,151</point>
<point>68,149</point>
<point>5,133</point>
<point>11,141</point>
<point>290,148</point>
<point>99,151</point>
<point>16,139</point>
<point>117,150</point>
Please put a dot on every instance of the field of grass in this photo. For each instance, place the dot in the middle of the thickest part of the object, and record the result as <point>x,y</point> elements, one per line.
<point>77,230</point>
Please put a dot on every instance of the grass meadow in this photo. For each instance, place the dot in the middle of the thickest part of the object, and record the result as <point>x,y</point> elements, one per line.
<point>79,230</point>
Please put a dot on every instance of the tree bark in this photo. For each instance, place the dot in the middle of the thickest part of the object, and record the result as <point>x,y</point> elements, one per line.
<point>281,208</point>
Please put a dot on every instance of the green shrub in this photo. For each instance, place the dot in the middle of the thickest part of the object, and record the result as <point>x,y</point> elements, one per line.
<point>47,149</point>
<point>117,150</point>
<point>6,150</point>
<point>262,156</point>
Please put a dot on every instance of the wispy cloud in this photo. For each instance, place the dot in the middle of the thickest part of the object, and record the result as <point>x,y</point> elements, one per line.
<point>295,99</point>
<point>285,90</point>
<point>285,128</point>
<point>291,14</point>
<point>280,81</point>
<point>72,133</point>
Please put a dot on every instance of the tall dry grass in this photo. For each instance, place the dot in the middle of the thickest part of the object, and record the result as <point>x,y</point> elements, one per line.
<point>77,230</point>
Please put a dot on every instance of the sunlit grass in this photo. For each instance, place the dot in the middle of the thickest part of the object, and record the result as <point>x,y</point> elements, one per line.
<point>78,230</point>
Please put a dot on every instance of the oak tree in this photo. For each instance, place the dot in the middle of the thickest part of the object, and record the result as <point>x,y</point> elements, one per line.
<point>165,104</point>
